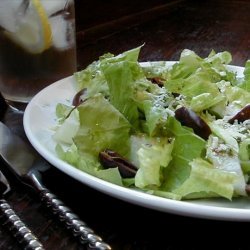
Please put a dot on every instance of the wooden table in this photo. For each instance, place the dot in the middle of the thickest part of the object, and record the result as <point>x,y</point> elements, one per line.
<point>166,28</point>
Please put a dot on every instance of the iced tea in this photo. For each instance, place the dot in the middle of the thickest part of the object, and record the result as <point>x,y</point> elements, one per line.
<point>26,67</point>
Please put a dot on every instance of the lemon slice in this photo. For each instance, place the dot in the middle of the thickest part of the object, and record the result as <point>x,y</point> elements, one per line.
<point>33,31</point>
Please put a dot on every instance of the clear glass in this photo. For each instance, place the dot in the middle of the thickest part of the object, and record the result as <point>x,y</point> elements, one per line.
<point>37,46</point>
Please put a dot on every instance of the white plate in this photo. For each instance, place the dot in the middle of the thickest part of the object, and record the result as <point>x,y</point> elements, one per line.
<point>39,121</point>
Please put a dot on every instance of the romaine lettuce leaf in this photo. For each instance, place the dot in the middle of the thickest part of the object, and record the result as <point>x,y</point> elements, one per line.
<point>92,79</point>
<point>224,157</point>
<point>188,63</point>
<point>207,181</point>
<point>156,114</point>
<point>62,111</point>
<point>101,127</point>
<point>111,175</point>
<point>121,77</point>
<point>196,78</point>
<point>244,155</point>
<point>205,101</point>
<point>237,97</point>
<point>245,84</point>
<point>69,127</point>
<point>187,146</point>
<point>88,164</point>
<point>153,156</point>
<point>168,195</point>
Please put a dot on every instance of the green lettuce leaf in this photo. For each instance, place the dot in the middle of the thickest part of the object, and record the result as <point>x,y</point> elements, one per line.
<point>245,84</point>
<point>196,79</point>
<point>244,155</point>
<point>206,100</point>
<point>189,62</point>
<point>62,111</point>
<point>207,181</point>
<point>88,164</point>
<point>101,127</point>
<point>168,195</point>
<point>111,175</point>
<point>237,97</point>
<point>156,114</point>
<point>69,126</point>
<point>224,157</point>
<point>84,162</point>
<point>121,77</point>
<point>92,79</point>
<point>187,146</point>
<point>122,74</point>
<point>153,156</point>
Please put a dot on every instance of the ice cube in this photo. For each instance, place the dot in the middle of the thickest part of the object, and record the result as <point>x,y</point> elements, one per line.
<point>53,6</point>
<point>62,38</point>
<point>9,14</point>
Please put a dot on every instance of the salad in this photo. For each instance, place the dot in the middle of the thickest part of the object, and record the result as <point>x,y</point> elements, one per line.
<point>176,130</point>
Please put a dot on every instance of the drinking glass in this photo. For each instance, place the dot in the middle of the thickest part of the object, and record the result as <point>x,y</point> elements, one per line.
<point>37,47</point>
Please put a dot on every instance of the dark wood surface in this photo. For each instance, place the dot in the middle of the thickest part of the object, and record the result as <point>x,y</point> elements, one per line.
<point>166,28</point>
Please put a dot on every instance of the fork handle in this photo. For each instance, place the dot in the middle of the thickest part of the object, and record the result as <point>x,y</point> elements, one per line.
<point>65,215</point>
<point>73,222</point>
<point>22,233</point>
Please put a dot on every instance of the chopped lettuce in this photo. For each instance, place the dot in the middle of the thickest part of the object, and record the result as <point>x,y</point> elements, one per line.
<point>187,146</point>
<point>66,132</point>
<point>224,157</point>
<point>152,158</point>
<point>101,127</point>
<point>121,77</point>
<point>127,112</point>
<point>207,181</point>
<point>245,84</point>
<point>92,79</point>
<point>244,155</point>
<point>111,175</point>
<point>88,164</point>
<point>156,114</point>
